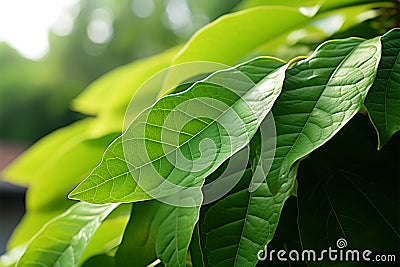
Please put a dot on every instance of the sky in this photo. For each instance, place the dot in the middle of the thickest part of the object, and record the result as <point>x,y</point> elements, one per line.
<point>25,24</point>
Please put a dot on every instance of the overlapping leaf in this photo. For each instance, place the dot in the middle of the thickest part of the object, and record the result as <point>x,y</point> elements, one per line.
<point>47,163</point>
<point>102,260</point>
<point>12,256</point>
<point>159,231</point>
<point>228,45</point>
<point>47,166</point>
<point>282,23</point>
<point>109,96</point>
<point>155,138</point>
<point>62,240</point>
<point>139,241</point>
<point>109,234</point>
<point>28,168</point>
<point>383,101</point>
<point>320,95</point>
<point>303,38</point>
<point>291,3</point>
<point>322,5</point>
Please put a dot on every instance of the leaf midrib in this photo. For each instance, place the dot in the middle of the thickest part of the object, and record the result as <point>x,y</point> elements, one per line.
<point>316,102</point>
<point>165,155</point>
<point>70,211</point>
<point>297,138</point>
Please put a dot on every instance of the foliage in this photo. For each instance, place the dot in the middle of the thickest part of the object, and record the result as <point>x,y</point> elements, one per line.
<point>74,61</point>
<point>321,157</point>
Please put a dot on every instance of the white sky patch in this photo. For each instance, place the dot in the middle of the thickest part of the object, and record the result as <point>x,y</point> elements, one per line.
<point>25,24</point>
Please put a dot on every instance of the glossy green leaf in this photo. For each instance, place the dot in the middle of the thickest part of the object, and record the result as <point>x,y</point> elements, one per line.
<point>320,95</point>
<point>383,101</point>
<point>162,145</point>
<point>222,237</point>
<point>229,46</point>
<point>62,240</point>
<point>346,197</point>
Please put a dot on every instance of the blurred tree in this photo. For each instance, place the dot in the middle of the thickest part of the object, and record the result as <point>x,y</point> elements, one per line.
<point>35,96</point>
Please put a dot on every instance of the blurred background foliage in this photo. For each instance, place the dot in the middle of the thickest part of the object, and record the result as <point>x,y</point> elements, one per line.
<point>35,96</point>
<point>93,37</point>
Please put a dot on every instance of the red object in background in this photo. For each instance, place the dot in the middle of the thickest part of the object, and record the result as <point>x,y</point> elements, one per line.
<point>8,153</point>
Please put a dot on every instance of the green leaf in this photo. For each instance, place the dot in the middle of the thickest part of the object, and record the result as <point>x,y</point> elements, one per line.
<point>47,165</point>
<point>336,4</point>
<point>109,96</point>
<point>252,28</point>
<point>302,39</point>
<point>286,236</point>
<point>119,85</point>
<point>162,145</point>
<point>322,5</point>
<point>159,231</point>
<point>175,227</point>
<point>62,240</point>
<point>138,241</point>
<point>320,95</point>
<point>12,256</point>
<point>27,168</point>
<point>266,29</point>
<point>383,100</point>
<point>233,230</point>
<point>346,197</point>
<point>291,3</point>
<point>109,234</point>
<point>100,261</point>
<point>31,223</point>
